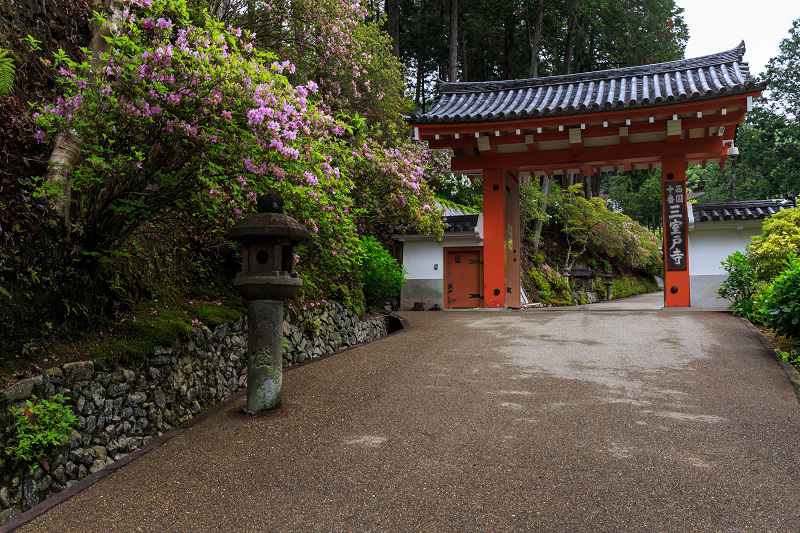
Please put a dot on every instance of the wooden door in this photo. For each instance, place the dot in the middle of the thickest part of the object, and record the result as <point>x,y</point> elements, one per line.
<point>463,284</point>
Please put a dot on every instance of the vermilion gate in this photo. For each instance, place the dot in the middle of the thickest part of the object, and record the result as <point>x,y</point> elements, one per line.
<point>665,115</point>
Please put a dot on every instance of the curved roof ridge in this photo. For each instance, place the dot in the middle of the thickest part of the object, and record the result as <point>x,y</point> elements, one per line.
<point>733,55</point>
<point>684,80</point>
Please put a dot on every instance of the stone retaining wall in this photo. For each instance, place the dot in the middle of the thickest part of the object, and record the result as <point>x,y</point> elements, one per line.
<point>120,409</point>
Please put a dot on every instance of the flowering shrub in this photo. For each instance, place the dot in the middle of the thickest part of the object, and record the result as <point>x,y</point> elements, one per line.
<point>390,191</point>
<point>619,237</point>
<point>330,42</point>
<point>550,284</point>
<point>591,226</point>
<point>182,110</point>
<point>188,116</point>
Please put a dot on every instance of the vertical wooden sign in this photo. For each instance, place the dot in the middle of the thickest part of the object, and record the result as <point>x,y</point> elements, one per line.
<point>675,226</point>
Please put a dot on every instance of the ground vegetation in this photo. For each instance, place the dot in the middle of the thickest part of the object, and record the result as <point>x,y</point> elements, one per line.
<point>763,282</point>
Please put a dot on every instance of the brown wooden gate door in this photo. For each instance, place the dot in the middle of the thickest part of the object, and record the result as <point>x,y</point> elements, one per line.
<point>463,284</point>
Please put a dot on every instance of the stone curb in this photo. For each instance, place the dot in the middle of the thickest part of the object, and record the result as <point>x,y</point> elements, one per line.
<point>400,325</point>
<point>791,371</point>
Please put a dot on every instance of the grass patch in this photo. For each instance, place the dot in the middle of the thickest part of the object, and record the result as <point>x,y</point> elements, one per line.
<point>133,338</point>
<point>212,314</point>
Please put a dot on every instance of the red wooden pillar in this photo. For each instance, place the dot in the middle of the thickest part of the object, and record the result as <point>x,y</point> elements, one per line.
<point>494,242</point>
<point>676,246</point>
<point>513,241</point>
<point>501,239</point>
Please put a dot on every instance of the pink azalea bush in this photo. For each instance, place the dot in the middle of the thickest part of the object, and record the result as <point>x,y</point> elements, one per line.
<point>187,114</point>
<point>620,238</point>
<point>181,111</point>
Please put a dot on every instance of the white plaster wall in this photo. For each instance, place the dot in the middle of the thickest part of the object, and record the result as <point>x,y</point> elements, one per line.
<point>420,255</point>
<point>710,243</point>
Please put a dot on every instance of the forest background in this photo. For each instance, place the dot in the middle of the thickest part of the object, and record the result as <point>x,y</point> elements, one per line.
<point>134,138</point>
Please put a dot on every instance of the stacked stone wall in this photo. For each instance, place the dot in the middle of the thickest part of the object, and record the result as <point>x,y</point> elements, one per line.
<point>121,409</point>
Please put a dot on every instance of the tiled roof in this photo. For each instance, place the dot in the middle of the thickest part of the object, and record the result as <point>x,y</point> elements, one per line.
<point>748,210</point>
<point>711,76</point>
<point>462,223</point>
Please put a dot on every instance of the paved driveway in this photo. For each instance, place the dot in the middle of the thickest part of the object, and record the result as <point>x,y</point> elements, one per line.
<point>661,421</point>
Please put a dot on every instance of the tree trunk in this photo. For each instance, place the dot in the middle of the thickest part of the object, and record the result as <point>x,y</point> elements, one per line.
<point>443,70</point>
<point>68,145</point>
<point>535,41</point>
<point>65,154</point>
<point>464,76</point>
<point>508,22</point>
<point>453,74</point>
<point>393,24</point>
<point>572,28</point>
<point>537,229</point>
<point>419,93</point>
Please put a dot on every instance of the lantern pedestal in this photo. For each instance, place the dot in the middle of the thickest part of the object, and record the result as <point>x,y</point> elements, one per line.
<point>265,295</point>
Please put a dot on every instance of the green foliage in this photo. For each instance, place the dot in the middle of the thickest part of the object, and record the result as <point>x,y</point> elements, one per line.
<point>638,195</point>
<point>215,313</point>
<point>551,286</point>
<point>581,218</point>
<point>764,283</point>
<point>382,277</point>
<point>780,236</point>
<point>632,285</point>
<point>6,73</point>
<point>779,301</point>
<point>590,226</point>
<point>793,357</point>
<point>531,199</point>
<point>769,141</point>
<point>497,39</point>
<point>741,284</point>
<point>41,427</point>
<point>459,190</point>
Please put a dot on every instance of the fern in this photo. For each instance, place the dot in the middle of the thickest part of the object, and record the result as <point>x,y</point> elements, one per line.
<point>6,73</point>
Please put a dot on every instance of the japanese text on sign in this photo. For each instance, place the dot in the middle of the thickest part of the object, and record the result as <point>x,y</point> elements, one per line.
<point>675,225</point>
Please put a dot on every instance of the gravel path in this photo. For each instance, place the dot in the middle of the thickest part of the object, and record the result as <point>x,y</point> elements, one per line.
<point>662,421</point>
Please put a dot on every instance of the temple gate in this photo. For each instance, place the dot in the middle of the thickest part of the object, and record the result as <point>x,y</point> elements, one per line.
<point>666,115</point>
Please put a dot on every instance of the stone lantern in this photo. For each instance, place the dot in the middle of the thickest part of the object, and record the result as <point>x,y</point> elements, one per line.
<point>268,239</point>
<point>608,281</point>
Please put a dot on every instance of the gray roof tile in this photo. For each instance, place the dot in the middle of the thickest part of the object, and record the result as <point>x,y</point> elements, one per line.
<point>686,80</point>
<point>745,210</point>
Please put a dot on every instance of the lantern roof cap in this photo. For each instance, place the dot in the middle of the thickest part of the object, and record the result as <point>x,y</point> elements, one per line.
<point>257,227</point>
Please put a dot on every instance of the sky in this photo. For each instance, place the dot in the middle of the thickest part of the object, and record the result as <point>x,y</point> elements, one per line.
<point>719,25</point>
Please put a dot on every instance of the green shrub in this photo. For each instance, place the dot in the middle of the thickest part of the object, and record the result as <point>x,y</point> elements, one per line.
<point>630,286</point>
<point>551,286</point>
<point>381,276</point>
<point>741,284</point>
<point>793,358</point>
<point>40,427</point>
<point>779,302</point>
<point>780,236</point>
